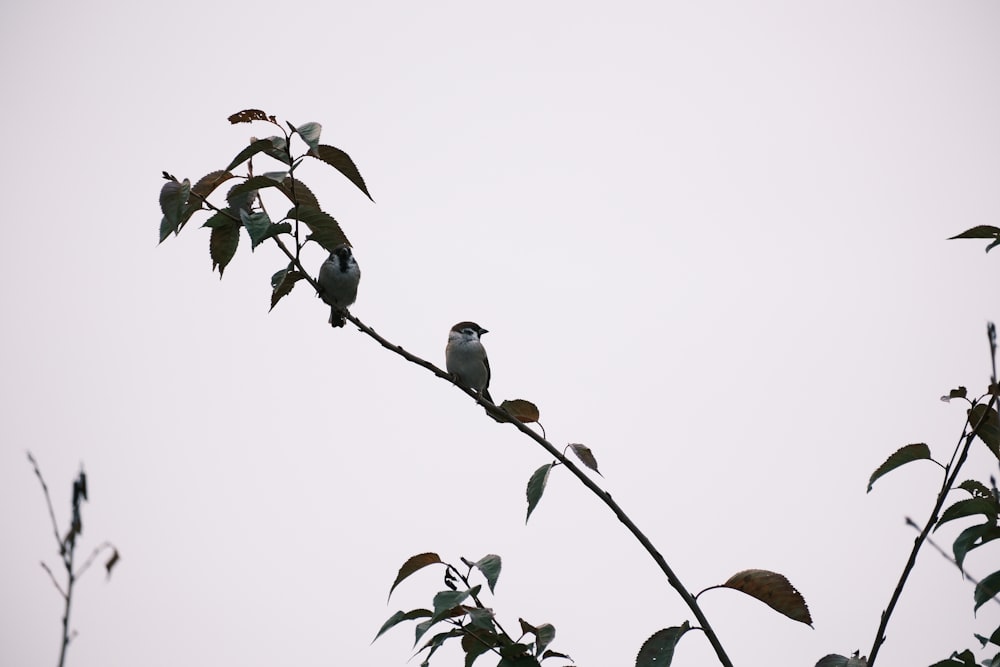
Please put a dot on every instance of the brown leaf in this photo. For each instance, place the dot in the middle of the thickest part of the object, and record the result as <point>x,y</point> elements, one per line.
<point>248,116</point>
<point>774,590</point>
<point>413,564</point>
<point>524,411</point>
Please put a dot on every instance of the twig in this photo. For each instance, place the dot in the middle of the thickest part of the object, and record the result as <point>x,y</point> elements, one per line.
<point>48,501</point>
<point>92,557</point>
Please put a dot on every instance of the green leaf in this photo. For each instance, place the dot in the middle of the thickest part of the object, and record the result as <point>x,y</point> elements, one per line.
<point>901,456</point>
<point>518,661</point>
<point>269,146</point>
<point>585,455</point>
<point>413,564</point>
<point>658,650</point>
<point>774,590</point>
<point>968,507</point>
<point>325,230</point>
<point>401,616</point>
<point>988,424</point>
<point>241,196</point>
<point>536,487</point>
<point>481,618</point>
<point>544,634</point>
<point>978,232</point>
<point>476,642</point>
<point>489,565</point>
<point>834,660</point>
<point>173,200</point>
<point>987,589</point>
<point>972,538</point>
<point>436,642</point>
<point>301,195</point>
<point>285,283</point>
<point>342,162</point>
<point>976,489</point>
<point>222,245</point>
<point>257,225</point>
<point>310,134</point>
<point>200,191</point>
<point>963,658</point>
<point>446,601</point>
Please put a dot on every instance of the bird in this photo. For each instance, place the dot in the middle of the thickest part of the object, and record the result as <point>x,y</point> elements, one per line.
<point>338,282</point>
<point>465,358</point>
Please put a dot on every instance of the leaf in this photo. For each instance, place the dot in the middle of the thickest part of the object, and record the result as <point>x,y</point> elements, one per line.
<point>955,393</point>
<point>284,285</point>
<point>249,115</point>
<point>774,590</point>
<point>173,199</point>
<point>413,564</point>
<point>972,538</point>
<point>901,456</point>
<point>978,232</point>
<point>325,230</point>
<point>518,661</point>
<point>480,617</point>
<point>976,489</point>
<point>968,507</point>
<point>834,660</point>
<point>658,650</point>
<point>257,225</point>
<point>241,196</point>
<point>436,642</point>
<point>445,602</point>
<point>524,411</point>
<point>200,191</point>
<point>476,642</point>
<point>342,162</point>
<point>115,557</point>
<point>489,565</point>
<point>536,486</point>
<point>963,658</point>
<point>584,453</point>
<point>555,654</point>
<point>273,146</point>
<point>222,245</point>
<point>401,616</point>
<point>544,634</point>
<point>301,195</point>
<point>310,134</point>
<point>986,589</point>
<point>988,424</point>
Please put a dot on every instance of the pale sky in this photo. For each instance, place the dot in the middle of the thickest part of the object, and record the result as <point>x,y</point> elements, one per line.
<point>708,240</point>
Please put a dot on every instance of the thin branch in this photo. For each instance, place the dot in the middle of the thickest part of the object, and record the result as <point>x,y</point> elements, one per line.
<point>910,522</point>
<point>53,578</point>
<point>603,495</point>
<point>92,557</point>
<point>48,501</point>
<point>962,449</point>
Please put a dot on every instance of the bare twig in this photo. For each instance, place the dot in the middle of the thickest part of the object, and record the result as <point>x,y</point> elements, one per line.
<point>48,501</point>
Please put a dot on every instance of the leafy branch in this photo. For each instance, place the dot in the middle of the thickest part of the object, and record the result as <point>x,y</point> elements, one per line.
<point>179,201</point>
<point>982,422</point>
<point>67,551</point>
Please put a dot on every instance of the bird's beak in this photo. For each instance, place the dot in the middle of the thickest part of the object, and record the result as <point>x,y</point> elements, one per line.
<point>483,331</point>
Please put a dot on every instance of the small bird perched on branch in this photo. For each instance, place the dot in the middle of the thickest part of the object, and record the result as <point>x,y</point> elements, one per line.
<point>465,358</point>
<point>338,281</point>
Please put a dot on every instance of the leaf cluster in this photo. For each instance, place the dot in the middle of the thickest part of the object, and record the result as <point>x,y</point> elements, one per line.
<point>474,626</point>
<point>243,208</point>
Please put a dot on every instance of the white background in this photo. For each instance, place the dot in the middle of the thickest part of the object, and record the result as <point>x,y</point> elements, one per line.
<point>708,240</point>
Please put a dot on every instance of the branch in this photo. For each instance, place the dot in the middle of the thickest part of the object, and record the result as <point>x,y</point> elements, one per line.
<point>48,501</point>
<point>92,557</point>
<point>946,486</point>
<point>604,496</point>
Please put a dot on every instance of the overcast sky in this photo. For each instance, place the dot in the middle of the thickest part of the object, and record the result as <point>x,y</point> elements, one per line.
<point>708,240</point>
